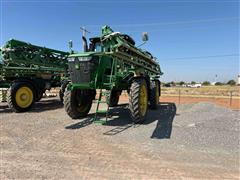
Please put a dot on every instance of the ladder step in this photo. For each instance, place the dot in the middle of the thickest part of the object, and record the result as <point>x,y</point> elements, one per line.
<point>99,121</point>
<point>107,84</point>
<point>106,92</point>
<point>98,101</point>
<point>102,111</point>
<point>102,101</point>
<point>109,77</point>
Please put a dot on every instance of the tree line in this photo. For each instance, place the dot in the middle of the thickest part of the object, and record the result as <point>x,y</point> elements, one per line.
<point>205,83</point>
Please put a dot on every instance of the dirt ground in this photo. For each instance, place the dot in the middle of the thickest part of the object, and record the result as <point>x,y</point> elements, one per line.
<point>225,102</point>
<point>219,91</point>
<point>219,95</point>
<point>192,141</point>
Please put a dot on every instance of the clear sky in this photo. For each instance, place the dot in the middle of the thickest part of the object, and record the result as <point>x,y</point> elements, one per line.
<point>193,40</point>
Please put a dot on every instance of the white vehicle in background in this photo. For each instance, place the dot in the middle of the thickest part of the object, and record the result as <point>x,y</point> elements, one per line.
<point>194,85</point>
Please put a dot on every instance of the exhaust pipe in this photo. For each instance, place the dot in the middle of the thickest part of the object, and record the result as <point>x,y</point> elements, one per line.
<point>85,45</point>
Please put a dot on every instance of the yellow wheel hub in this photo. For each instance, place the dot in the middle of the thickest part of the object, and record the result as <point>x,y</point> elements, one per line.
<point>24,97</point>
<point>143,100</point>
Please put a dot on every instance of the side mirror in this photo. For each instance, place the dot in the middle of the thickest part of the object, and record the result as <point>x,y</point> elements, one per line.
<point>145,36</point>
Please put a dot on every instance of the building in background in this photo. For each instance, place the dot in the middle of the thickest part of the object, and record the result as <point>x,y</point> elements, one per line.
<point>238,80</point>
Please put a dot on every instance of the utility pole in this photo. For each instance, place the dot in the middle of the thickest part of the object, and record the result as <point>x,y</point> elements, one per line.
<point>216,76</point>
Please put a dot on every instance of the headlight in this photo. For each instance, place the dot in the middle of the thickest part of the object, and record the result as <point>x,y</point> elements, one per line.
<point>71,59</point>
<point>84,58</point>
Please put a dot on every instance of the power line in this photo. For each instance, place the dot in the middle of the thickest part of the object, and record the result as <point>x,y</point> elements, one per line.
<point>201,57</point>
<point>120,2</point>
<point>171,23</point>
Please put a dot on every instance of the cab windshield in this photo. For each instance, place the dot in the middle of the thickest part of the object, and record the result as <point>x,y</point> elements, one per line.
<point>97,47</point>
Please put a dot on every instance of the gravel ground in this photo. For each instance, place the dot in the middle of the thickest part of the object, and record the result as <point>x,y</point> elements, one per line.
<point>188,141</point>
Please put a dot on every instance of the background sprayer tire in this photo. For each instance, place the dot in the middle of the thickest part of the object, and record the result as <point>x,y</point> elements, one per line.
<point>62,89</point>
<point>21,96</point>
<point>39,95</point>
<point>154,94</point>
<point>114,98</point>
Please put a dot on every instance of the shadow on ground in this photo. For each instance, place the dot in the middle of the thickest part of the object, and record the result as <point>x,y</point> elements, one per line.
<point>47,105</point>
<point>119,117</point>
<point>164,116</point>
<point>43,105</point>
<point>85,122</point>
<point>120,120</point>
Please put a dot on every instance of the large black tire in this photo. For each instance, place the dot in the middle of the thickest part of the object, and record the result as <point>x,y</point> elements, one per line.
<point>62,89</point>
<point>114,98</point>
<point>138,100</point>
<point>21,96</point>
<point>154,94</point>
<point>39,95</point>
<point>76,103</point>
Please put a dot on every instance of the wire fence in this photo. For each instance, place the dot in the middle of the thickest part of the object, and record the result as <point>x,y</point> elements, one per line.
<point>229,98</point>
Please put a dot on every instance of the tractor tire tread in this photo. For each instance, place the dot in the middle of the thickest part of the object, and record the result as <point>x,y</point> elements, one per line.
<point>134,100</point>
<point>71,107</point>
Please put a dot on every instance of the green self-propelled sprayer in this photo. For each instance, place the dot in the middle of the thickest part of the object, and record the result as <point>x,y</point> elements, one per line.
<point>110,64</point>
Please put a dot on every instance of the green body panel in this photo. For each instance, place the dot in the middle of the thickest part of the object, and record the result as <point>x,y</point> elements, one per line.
<point>85,54</point>
<point>118,61</point>
<point>21,60</point>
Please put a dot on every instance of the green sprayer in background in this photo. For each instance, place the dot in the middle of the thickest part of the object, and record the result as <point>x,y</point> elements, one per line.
<point>112,63</point>
<point>28,70</point>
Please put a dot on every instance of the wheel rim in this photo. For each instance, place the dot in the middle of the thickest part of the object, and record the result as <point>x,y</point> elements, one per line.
<point>143,100</point>
<point>24,97</point>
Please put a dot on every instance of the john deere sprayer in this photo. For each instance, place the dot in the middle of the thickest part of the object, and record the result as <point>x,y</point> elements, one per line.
<point>29,70</point>
<point>110,64</point>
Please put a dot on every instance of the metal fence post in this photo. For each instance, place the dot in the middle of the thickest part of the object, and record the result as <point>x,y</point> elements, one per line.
<point>231,98</point>
<point>179,92</point>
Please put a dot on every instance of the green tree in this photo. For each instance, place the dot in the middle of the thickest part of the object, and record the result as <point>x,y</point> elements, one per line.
<point>218,84</point>
<point>206,83</point>
<point>173,83</point>
<point>168,84</point>
<point>193,82</point>
<point>181,83</point>
<point>231,82</point>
